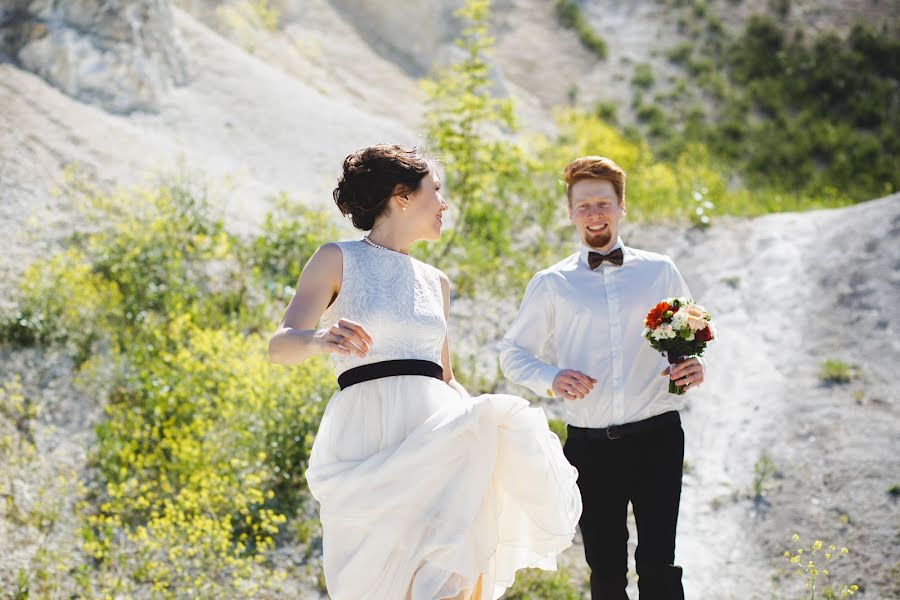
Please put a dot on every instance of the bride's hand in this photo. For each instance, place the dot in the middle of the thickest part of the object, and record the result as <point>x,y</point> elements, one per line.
<point>345,337</point>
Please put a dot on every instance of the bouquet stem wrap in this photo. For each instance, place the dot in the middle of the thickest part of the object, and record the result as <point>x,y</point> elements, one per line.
<point>674,359</point>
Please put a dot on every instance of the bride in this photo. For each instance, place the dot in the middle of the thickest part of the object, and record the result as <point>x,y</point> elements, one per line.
<point>425,493</point>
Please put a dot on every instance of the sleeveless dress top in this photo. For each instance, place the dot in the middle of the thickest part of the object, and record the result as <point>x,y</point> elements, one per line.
<point>424,494</point>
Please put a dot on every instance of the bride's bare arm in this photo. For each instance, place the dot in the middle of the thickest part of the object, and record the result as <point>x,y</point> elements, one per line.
<point>445,352</point>
<point>297,337</point>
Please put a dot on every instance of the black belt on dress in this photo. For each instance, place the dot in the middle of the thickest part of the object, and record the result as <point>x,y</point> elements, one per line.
<point>390,368</point>
<point>613,432</point>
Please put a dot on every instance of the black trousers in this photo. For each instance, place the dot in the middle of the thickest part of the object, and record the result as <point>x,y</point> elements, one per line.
<point>643,468</point>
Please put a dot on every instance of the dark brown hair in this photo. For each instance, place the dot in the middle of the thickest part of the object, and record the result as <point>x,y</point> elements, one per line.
<point>372,175</point>
<point>594,167</point>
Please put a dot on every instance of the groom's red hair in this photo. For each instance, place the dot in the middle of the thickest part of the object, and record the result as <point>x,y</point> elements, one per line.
<point>594,167</point>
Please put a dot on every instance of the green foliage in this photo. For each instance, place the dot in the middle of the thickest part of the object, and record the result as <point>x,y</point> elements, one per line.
<point>21,590</point>
<point>558,427</point>
<point>289,236</point>
<point>643,76</point>
<point>63,301</point>
<point>835,371</point>
<point>199,462</point>
<point>569,14</point>
<point>201,457</point>
<point>681,53</point>
<point>489,175</point>
<point>763,470</point>
<point>607,111</point>
<point>811,115</point>
<point>532,584</point>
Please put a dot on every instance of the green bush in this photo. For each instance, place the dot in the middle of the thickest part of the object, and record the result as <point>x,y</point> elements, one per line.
<point>532,584</point>
<point>809,113</point>
<point>835,371</point>
<point>201,458</point>
<point>681,53</point>
<point>497,186</point>
<point>569,14</point>
<point>288,237</point>
<point>643,76</point>
<point>63,301</point>
<point>198,464</point>
<point>558,427</point>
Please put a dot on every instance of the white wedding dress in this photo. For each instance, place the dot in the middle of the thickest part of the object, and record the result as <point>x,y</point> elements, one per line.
<point>421,491</point>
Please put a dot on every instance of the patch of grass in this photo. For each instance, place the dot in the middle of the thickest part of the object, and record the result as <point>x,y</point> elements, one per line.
<point>834,371</point>
<point>558,427</point>
<point>532,584</point>
<point>894,490</point>
<point>763,470</point>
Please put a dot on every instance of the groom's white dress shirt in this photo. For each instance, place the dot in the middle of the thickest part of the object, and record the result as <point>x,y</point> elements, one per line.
<point>574,318</point>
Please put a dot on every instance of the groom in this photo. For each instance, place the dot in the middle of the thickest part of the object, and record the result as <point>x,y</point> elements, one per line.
<point>578,336</point>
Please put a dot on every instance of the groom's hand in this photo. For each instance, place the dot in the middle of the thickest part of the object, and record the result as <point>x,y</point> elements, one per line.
<point>688,374</point>
<point>572,385</point>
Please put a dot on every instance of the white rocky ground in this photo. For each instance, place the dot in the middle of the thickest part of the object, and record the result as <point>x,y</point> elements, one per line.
<point>788,291</point>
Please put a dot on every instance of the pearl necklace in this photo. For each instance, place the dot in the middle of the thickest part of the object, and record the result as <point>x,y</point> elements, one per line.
<point>379,246</point>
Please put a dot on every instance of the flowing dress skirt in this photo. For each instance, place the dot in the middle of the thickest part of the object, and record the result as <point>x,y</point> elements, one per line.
<point>421,491</point>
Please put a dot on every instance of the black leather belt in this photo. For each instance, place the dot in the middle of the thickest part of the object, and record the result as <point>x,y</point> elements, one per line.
<point>390,368</point>
<point>614,432</point>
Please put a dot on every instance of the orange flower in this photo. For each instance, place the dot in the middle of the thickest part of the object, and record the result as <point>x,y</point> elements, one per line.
<point>655,317</point>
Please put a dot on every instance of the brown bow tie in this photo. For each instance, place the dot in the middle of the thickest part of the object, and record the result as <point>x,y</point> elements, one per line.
<point>595,259</point>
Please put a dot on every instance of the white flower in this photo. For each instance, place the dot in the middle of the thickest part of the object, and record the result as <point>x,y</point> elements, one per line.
<point>663,332</point>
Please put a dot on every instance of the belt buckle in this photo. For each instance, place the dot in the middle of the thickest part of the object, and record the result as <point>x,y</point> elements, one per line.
<point>611,432</point>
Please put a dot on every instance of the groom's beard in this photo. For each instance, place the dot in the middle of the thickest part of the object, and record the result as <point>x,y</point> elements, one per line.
<point>599,240</point>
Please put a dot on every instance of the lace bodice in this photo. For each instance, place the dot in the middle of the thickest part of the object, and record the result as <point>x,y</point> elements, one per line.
<point>396,298</point>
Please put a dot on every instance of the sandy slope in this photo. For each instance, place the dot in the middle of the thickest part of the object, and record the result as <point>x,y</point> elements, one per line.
<point>239,118</point>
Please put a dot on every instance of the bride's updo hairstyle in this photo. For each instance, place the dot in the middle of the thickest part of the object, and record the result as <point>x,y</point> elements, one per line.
<point>374,174</point>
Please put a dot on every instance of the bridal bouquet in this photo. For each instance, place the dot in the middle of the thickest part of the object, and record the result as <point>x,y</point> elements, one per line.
<point>679,329</point>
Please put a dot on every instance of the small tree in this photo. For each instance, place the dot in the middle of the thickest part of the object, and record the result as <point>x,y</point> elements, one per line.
<point>489,178</point>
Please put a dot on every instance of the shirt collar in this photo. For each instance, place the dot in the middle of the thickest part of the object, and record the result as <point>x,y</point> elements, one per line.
<point>585,250</point>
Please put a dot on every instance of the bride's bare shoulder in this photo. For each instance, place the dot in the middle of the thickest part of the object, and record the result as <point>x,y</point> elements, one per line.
<point>326,263</point>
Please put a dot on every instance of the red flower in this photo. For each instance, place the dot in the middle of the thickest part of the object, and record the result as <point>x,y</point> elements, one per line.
<point>704,335</point>
<point>655,317</point>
